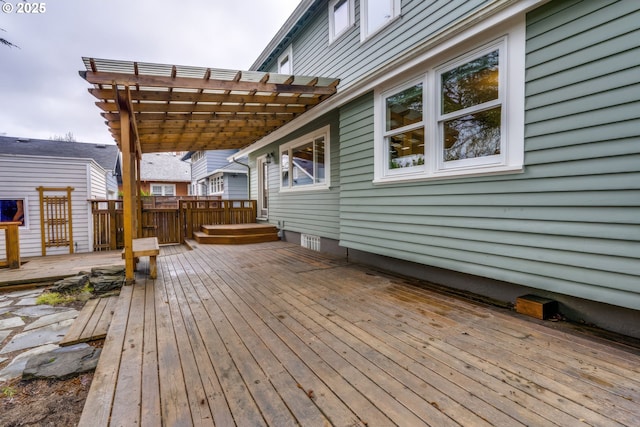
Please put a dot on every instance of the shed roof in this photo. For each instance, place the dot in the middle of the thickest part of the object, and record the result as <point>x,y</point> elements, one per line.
<point>106,155</point>
<point>181,108</point>
<point>164,167</point>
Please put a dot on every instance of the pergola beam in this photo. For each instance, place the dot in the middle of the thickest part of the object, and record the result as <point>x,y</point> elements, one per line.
<point>109,78</point>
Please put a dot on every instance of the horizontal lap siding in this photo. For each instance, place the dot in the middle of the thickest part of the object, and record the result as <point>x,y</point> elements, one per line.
<point>570,222</point>
<point>349,59</point>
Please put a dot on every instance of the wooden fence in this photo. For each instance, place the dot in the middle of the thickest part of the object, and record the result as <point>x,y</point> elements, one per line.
<point>169,225</point>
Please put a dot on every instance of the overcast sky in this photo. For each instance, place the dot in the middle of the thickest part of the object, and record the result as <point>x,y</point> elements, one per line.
<point>41,93</point>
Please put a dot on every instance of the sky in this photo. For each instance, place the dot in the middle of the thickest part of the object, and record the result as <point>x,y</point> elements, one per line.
<point>41,93</point>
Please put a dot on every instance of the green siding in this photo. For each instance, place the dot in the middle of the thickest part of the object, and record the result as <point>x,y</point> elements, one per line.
<point>349,59</point>
<point>314,211</point>
<point>571,222</point>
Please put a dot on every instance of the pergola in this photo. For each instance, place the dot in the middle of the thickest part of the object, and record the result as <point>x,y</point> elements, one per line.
<point>159,108</point>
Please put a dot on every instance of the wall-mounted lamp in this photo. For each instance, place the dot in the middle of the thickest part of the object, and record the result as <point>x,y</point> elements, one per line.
<point>269,158</point>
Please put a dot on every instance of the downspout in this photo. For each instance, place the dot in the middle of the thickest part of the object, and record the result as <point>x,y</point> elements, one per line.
<point>233,159</point>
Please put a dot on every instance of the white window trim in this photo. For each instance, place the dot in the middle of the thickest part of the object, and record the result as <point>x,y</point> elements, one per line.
<point>322,132</point>
<point>333,36</point>
<point>364,4</point>
<point>164,186</point>
<point>512,153</point>
<point>288,53</point>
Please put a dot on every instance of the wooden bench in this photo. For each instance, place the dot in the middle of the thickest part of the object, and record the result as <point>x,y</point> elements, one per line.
<point>12,244</point>
<point>146,246</point>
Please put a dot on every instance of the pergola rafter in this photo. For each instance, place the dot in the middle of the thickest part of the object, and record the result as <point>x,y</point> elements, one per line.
<point>158,108</point>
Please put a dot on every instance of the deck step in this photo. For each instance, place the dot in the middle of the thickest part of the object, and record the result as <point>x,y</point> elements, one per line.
<point>236,234</point>
<point>234,239</point>
<point>238,229</point>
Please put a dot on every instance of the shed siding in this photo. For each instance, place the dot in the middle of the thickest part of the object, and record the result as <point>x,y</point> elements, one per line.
<point>50,172</point>
<point>235,186</point>
<point>569,223</point>
<point>315,211</point>
<point>98,181</point>
<point>350,60</point>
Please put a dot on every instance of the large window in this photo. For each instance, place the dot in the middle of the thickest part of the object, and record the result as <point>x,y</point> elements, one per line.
<point>341,17</point>
<point>375,14</point>
<point>304,163</point>
<point>453,120</point>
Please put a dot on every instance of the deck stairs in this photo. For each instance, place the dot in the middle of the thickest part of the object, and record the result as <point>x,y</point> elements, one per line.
<point>235,234</point>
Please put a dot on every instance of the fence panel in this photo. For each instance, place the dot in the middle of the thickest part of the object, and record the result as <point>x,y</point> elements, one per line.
<point>169,225</point>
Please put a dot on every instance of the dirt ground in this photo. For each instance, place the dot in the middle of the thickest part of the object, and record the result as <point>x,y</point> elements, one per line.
<point>44,402</point>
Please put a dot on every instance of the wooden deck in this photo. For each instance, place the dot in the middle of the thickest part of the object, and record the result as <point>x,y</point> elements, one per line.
<point>92,323</point>
<point>273,334</point>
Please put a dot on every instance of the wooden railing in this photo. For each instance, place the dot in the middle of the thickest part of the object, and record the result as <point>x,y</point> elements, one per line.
<point>169,225</point>
<point>213,212</point>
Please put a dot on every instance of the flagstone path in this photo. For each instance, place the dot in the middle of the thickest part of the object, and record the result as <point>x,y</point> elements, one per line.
<point>27,329</point>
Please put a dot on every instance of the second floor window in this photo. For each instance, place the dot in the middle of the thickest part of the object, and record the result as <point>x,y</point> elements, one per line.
<point>375,14</point>
<point>341,13</point>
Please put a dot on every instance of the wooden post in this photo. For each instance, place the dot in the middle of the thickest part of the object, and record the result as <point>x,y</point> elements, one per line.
<point>113,225</point>
<point>128,199</point>
<point>70,222</point>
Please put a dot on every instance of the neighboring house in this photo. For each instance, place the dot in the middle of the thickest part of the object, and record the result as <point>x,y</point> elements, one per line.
<point>489,146</point>
<point>164,174</point>
<point>92,170</point>
<point>213,175</point>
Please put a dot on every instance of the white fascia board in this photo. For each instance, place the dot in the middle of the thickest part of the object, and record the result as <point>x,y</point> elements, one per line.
<point>488,17</point>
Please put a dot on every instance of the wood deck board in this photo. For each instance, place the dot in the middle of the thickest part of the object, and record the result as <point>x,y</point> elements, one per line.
<point>272,334</point>
<point>93,321</point>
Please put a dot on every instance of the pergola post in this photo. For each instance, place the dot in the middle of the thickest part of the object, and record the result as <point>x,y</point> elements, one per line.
<point>128,190</point>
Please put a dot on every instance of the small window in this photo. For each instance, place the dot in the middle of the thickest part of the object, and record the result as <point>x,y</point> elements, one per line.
<point>285,62</point>
<point>376,14</point>
<point>216,184</point>
<point>163,189</point>
<point>13,210</point>
<point>341,17</point>
<point>305,162</point>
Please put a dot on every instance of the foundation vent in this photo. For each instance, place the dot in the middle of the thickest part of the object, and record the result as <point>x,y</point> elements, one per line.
<point>310,242</point>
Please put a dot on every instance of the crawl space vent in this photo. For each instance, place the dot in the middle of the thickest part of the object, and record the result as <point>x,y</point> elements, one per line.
<point>310,242</point>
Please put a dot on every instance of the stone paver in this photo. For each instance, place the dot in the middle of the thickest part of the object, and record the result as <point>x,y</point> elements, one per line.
<point>38,310</point>
<point>62,362</point>
<point>51,319</point>
<point>27,301</point>
<point>23,294</point>
<point>37,337</point>
<point>11,322</point>
<point>4,334</point>
<point>17,365</point>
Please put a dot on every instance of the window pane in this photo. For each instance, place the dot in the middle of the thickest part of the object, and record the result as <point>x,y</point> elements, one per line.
<point>378,12</point>
<point>303,166</point>
<point>319,160</point>
<point>406,149</point>
<point>404,108</point>
<point>168,190</point>
<point>156,190</point>
<point>473,135</point>
<point>470,84</point>
<point>340,16</point>
<point>284,165</point>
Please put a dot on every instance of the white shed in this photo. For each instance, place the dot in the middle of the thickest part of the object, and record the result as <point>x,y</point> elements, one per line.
<point>27,165</point>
